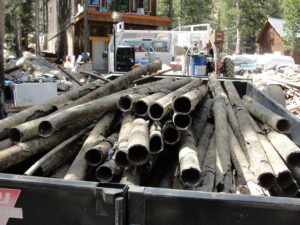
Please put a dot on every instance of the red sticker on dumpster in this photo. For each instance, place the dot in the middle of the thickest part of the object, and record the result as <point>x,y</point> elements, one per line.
<point>8,200</point>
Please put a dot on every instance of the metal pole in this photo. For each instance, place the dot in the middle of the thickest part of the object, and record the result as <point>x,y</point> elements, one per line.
<point>115,50</point>
<point>85,31</point>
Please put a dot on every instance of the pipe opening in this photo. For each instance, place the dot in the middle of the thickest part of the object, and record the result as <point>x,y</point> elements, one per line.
<point>140,108</point>
<point>138,155</point>
<point>190,177</point>
<point>104,174</point>
<point>171,135</point>
<point>182,121</point>
<point>156,111</point>
<point>156,144</point>
<point>267,180</point>
<point>93,157</point>
<point>125,103</point>
<point>294,159</point>
<point>291,190</point>
<point>283,125</point>
<point>121,159</point>
<point>182,105</point>
<point>45,129</point>
<point>284,179</point>
<point>15,135</point>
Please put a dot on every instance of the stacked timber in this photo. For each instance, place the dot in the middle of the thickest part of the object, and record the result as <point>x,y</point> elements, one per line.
<point>169,133</point>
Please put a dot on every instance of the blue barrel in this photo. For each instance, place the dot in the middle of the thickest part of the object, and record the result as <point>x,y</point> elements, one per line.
<point>198,65</point>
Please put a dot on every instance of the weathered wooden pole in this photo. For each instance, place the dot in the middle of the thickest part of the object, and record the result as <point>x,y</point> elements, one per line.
<point>283,174</point>
<point>100,153</point>
<point>171,135</point>
<point>77,171</point>
<point>242,165</point>
<point>257,156</point>
<point>55,153</point>
<point>108,171</point>
<point>182,121</point>
<point>138,143</point>
<point>22,151</point>
<point>122,150</point>
<point>186,103</point>
<point>265,115</point>
<point>190,171</point>
<point>200,116</point>
<point>156,143</point>
<point>161,107</point>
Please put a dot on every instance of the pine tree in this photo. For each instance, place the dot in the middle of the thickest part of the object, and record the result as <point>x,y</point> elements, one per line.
<point>292,25</point>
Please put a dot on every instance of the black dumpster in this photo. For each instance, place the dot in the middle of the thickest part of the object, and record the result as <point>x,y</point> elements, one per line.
<point>26,200</point>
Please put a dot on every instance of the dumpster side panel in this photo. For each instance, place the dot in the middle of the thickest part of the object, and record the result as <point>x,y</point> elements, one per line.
<point>154,206</point>
<point>57,202</point>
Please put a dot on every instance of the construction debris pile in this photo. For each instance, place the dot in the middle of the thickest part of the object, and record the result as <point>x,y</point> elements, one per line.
<point>170,133</point>
<point>289,79</point>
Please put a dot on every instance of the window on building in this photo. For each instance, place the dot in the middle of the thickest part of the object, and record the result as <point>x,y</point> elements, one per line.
<point>98,3</point>
<point>146,3</point>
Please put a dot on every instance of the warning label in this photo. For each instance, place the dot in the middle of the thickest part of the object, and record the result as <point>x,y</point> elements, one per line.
<point>8,200</point>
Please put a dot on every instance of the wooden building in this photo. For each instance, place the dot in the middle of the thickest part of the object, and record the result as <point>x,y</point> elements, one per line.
<point>65,30</point>
<point>270,38</point>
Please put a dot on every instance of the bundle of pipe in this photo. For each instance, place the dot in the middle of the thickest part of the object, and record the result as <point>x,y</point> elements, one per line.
<point>171,133</point>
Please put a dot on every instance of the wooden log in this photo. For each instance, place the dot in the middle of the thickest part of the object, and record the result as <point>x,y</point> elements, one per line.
<point>22,151</point>
<point>265,115</point>
<point>161,107</point>
<point>122,150</point>
<point>156,143</point>
<point>182,121</point>
<point>127,101</point>
<point>108,171</point>
<point>77,171</point>
<point>209,168</point>
<point>222,140</point>
<point>138,143</point>
<point>171,135</point>
<point>288,151</point>
<point>200,116</point>
<point>6,143</point>
<point>257,156</point>
<point>190,171</point>
<point>204,141</point>
<point>283,174</point>
<point>242,165</point>
<point>98,154</point>
<point>186,103</point>
<point>54,152</point>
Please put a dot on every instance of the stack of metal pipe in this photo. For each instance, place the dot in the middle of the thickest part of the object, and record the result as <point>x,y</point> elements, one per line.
<point>169,133</point>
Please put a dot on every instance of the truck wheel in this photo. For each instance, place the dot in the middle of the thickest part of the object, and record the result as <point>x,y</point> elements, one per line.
<point>227,68</point>
<point>276,93</point>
